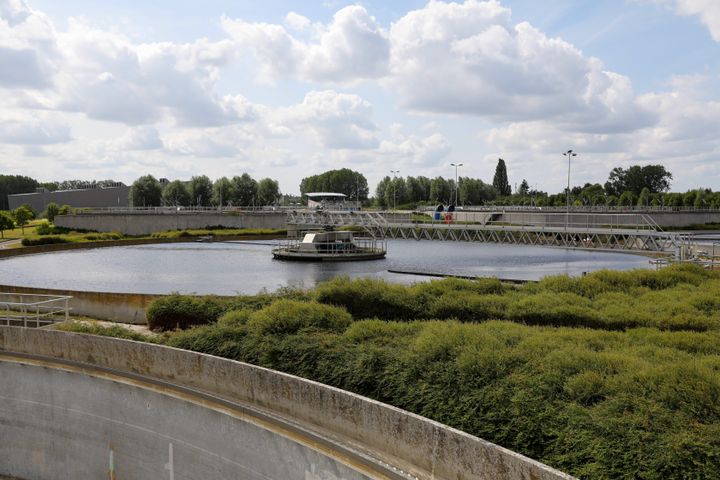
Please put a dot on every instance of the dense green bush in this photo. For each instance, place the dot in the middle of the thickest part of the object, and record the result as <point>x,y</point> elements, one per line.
<point>286,317</point>
<point>597,404</point>
<point>44,228</point>
<point>30,242</point>
<point>369,298</point>
<point>182,311</point>
<point>468,307</point>
<point>116,331</point>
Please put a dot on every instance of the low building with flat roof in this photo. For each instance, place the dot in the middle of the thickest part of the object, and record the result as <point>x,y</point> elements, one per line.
<point>93,196</point>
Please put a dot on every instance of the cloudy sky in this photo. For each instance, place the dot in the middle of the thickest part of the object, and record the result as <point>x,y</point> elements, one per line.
<point>96,90</point>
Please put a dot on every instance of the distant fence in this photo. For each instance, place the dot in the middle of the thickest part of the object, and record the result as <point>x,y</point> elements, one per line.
<point>33,310</point>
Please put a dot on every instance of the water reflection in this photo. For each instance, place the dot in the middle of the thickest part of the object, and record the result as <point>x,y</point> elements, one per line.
<point>243,267</point>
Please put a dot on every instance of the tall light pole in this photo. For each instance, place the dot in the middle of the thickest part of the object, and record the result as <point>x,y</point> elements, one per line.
<point>456,165</point>
<point>569,155</point>
<point>394,172</point>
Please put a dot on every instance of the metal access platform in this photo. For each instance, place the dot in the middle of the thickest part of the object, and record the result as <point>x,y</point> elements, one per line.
<point>33,310</point>
<point>628,232</point>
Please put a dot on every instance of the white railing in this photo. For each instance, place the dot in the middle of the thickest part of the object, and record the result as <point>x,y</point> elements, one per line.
<point>33,310</point>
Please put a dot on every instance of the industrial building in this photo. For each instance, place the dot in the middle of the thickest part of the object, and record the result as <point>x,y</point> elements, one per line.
<point>93,195</point>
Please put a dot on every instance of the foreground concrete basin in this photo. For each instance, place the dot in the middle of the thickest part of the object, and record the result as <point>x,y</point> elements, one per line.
<point>79,406</point>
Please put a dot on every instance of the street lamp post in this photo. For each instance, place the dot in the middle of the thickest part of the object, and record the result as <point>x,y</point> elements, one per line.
<point>569,155</point>
<point>394,172</point>
<point>456,165</point>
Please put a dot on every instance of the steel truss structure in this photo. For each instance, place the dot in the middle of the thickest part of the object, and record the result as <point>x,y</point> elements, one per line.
<point>645,237</point>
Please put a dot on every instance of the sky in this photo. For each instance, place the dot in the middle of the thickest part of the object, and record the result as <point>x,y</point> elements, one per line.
<point>281,89</point>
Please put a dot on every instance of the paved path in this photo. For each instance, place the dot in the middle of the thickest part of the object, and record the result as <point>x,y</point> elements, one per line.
<point>12,243</point>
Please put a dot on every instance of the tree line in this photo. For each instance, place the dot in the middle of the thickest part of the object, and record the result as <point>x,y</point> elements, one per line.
<point>633,186</point>
<point>147,191</point>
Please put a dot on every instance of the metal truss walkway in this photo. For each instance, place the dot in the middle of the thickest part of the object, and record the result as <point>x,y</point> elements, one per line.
<point>632,232</point>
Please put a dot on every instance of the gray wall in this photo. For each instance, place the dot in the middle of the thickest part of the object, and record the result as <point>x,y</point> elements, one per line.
<point>147,223</point>
<point>62,420</point>
<point>116,307</point>
<point>96,197</point>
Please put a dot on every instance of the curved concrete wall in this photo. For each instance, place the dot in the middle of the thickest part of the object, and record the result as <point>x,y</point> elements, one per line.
<point>68,400</point>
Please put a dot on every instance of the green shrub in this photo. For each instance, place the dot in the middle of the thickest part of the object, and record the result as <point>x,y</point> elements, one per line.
<point>468,307</point>
<point>369,298</point>
<point>44,228</point>
<point>30,242</point>
<point>286,317</point>
<point>115,331</point>
<point>556,309</point>
<point>234,318</point>
<point>223,341</point>
<point>183,311</point>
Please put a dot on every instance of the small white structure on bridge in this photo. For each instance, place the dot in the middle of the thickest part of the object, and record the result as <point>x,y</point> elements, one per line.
<point>329,201</point>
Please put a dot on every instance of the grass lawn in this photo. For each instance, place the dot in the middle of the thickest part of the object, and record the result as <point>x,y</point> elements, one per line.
<point>16,233</point>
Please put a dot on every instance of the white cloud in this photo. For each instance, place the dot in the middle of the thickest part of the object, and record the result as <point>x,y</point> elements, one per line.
<point>336,120</point>
<point>34,130</point>
<point>297,22</point>
<point>141,138</point>
<point>27,51</point>
<point>707,10</point>
<point>684,139</point>
<point>468,59</point>
<point>415,150</point>
<point>108,77</point>
<point>352,47</point>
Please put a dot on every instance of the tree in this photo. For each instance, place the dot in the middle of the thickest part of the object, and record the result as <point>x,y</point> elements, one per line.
<point>244,190</point>
<point>268,191</point>
<point>474,191</point>
<point>6,223</point>
<point>653,177</point>
<point>65,210</point>
<point>644,198</point>
<point>51,211</point>
<point>22,216</point>
<point>222,192</point>
<point>12,184</point>
<point>380,190</point>
<point>627,199</point>
<point>440,190</point>
<point>346,181</point>
<point>592,194</point>
<point>176,193</point>
<point>146,192</point>
<point>500,180</point>
<point>524,188</point>
<point>395,192</point>
<point>200,190</point>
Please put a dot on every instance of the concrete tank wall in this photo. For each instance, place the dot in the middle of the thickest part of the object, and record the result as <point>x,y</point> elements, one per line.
<point>147,223</point>
<point>115,307</point>
<point>61,420</point>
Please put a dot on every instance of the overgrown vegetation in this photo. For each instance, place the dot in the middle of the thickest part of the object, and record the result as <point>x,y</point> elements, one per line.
<point>217,231</point>
<point>612,375</point>
<point>45,233</point>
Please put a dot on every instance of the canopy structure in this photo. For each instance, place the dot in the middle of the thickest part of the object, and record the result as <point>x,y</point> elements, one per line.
<point>326,199</point>
<point>326,195</point>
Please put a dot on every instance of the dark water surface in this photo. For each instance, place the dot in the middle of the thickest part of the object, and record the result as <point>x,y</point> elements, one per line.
<point>240,267</point>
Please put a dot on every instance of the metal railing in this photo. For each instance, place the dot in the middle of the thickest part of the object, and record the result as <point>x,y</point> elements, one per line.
<point>33,310</point>
<point>358,245</point>
<point>181,210</point>
<point>576,208</point>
